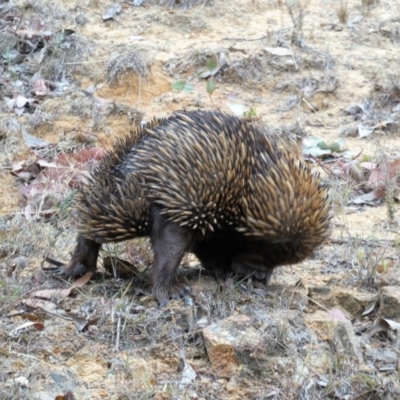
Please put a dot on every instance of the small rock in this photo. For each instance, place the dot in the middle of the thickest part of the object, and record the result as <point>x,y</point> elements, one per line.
<point>389,306</point>
<point>294,298</point>
<point>320,357</point>
<point>45,396</point>
<point>184,316</point>
<point>350,300</point>
<point>20,263</point>
<point>20,381</point>
<point>384,356</point>
<point>7,42</point>
<point>388,278</point>
<point>339,332</point>
<point>111,12</point>
<point>232,342</point>
<point>81,19</point>
<point>354,21</point>
<point>321,295</point>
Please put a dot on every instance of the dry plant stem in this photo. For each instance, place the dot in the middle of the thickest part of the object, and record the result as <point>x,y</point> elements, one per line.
<point>378,242</point>
<point>82,131</point>
<point>342,12</point>
<point>327,170</point>
<point>246,40</point>
<point>86,133</point>
<point>117,340</point>
<point>324,167</point>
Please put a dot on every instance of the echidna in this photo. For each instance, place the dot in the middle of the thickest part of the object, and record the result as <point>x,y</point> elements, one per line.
<point>207,183</point>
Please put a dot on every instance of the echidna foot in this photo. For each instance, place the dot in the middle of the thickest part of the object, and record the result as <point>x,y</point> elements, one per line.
<point>66,270</point>
<point>258,274</point>
<point>84,259</point>
<point>176,291</point>
<point>180,291</point>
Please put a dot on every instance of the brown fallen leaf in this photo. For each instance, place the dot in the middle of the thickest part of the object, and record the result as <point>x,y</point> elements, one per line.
<point>61,294</point>
<point>38,303</point>
<point>384,174</point>
<point>66,396</point>
<point>384,265</point>
<point>36,324</point>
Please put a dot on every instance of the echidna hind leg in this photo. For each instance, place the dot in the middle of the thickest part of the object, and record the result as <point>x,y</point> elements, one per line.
<point>257,272</point>
<point>84,259</point>
<point>170,243</point>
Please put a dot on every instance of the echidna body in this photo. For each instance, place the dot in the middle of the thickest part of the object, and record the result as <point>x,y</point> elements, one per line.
<point>207,183</point>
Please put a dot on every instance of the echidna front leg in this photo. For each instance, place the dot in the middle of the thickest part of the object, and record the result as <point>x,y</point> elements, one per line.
<point>84,259</point>
<point>170,243</point>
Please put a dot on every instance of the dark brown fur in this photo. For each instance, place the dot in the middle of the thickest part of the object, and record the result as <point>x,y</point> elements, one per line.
<point>206,183</point>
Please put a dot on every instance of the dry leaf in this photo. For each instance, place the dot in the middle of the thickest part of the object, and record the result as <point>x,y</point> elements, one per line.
<point>67,396</point>
<point>36,324</point>
<point>392,328</point>
<point>278,51</point>
<point>370,308</point>
<point>384,172</point>
<point>34,142</point>
<point>371,198</point>
<point>384,265</point>
<point>61,294</point>
<point>188,373</point>
<point>39,88</point>
<point>42,304</point>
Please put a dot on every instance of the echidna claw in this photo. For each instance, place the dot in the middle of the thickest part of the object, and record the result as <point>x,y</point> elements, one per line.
<point>177,293</point>
<point>58,269</point>
<point>53,262</point>
<point>65,270</point>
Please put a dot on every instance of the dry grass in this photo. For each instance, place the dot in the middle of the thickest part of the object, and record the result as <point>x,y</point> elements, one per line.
<point>9,200</point>
<point>297,12</point>
<point>342,12</point>
<point>133,61</point>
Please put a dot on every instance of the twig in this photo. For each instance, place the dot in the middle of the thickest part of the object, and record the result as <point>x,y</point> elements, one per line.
<point>326,169</point>
<point>365,241</point>
<point>246,40</point>
<point>118,332</point>
<point>80,130</point>
<point>86,133</point>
